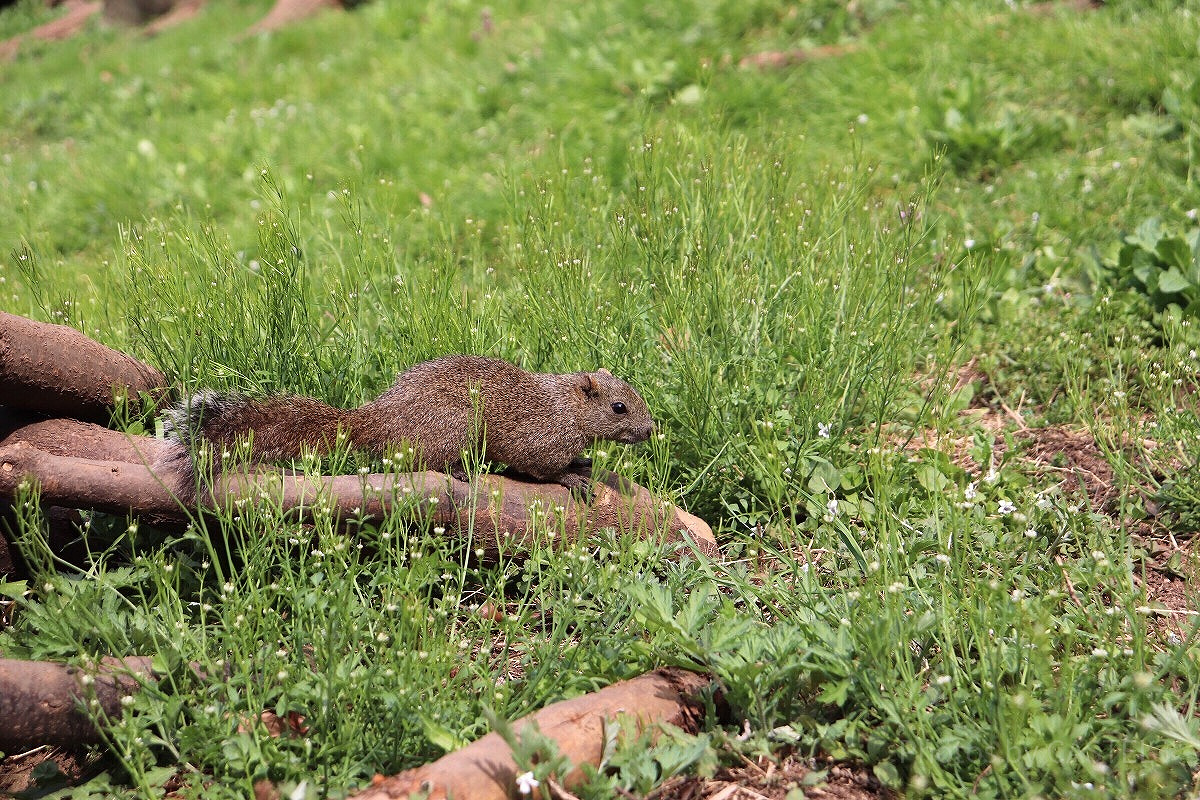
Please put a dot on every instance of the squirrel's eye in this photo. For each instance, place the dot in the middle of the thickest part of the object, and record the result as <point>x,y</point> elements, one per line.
<point>619,408</point>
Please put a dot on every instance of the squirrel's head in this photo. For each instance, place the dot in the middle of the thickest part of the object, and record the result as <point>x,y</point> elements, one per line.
<point>612,409</point>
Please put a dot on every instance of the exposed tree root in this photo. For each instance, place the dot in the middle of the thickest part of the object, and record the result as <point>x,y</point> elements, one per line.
<point>494,509</point>
<point>181,12</point>
<point>57,370</point>
<point>285,12</point>
<point>78,14</point>
<point>43,703</point>
<point>485,769</point>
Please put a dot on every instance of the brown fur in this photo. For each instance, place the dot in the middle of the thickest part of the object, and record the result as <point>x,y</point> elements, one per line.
<point>455,406</point>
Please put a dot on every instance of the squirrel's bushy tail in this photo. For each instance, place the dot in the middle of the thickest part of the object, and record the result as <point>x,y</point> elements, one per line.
<point>183,428</point>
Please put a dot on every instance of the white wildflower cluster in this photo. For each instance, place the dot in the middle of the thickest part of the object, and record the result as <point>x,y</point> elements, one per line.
<point>526,783</point>
<point>831,509</point>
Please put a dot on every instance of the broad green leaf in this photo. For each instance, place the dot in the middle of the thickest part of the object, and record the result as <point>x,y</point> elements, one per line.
<point>1172,281</point>
<point>1147,234</point>
<point>825,477</point>
<point>1174,252</point>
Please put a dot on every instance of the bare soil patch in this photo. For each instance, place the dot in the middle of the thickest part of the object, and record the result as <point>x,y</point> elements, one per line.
<point>765,779</point>
<point>1070,457</point>
<point>17,771</point>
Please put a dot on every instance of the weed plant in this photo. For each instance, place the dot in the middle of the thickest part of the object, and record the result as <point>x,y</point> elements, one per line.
<point>829,281</point>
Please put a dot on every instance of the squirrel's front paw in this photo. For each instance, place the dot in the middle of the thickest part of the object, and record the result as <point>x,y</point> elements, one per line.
<point>579,485</point>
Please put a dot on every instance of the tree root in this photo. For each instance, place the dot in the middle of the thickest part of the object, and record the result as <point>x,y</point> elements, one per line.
<point>485,769</point>
<point>285,12</point>
<point>494,509</point>
<point>44,703</point>
<point>57,370</point>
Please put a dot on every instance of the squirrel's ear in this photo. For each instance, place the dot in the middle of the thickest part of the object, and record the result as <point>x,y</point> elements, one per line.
<point>588,385</point>
<point>603,371</point>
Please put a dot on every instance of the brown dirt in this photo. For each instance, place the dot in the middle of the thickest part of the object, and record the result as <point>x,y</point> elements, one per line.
<point>765,779</point>
<point>1070,457</point>
<point>74,766</point>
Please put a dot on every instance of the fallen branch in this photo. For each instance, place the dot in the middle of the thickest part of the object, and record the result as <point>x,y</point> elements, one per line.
<point>58,370</point>
<point>485,769</point>
<point>494,508</point>
<point>42,703</point>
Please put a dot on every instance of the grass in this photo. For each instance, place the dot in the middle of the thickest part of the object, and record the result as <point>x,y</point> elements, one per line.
<point>792,266</point>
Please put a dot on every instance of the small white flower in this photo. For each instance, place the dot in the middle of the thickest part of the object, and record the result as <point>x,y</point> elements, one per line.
<point>1031,533</point>
<point>831,508</point>
<point>969,244</point>
<point>942,559</point>
<point>1005,507</point>
<point>823,429</point>
<point>526,783</point>
<point>971,492</point>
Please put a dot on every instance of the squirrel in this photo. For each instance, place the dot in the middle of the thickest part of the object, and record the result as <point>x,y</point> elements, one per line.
<point>447,409</point>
